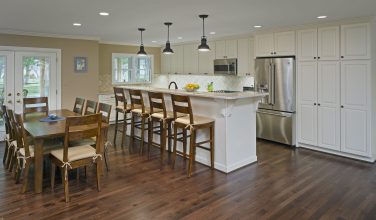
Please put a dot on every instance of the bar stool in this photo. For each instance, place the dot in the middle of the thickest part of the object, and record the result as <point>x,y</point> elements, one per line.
<point>193,123</point>
<point>121,108</point>
<point>158,113</point>
<point>138,109</point>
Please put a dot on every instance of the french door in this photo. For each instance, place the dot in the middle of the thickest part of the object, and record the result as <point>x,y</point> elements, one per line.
<point>27,74</point>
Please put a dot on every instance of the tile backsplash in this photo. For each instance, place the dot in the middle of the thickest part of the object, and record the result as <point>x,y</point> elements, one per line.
<point>234,83</point>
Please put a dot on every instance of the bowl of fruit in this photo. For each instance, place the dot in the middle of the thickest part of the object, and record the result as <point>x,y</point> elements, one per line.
<point>191,87</point>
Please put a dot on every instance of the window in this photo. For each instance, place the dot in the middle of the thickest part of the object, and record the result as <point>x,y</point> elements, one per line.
<point>130,68</point>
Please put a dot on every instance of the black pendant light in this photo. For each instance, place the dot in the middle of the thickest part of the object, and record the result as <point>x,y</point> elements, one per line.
<point>203,46</point>
<point>142,52</point>
<point>168,49</point>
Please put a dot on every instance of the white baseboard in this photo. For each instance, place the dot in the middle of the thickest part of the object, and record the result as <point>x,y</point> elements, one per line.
<point>223,167</point>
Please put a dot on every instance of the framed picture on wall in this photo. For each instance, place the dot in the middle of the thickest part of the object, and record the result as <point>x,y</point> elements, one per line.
<point>80,64</point>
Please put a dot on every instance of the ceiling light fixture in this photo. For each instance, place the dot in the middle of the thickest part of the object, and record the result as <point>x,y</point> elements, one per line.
<point>180,38</point>
<point>213,32</point>
<point>104,13</point>
<point>257,26</point>
<point>322,16</point>
<point>154,41</point>
<point>167,49</point>
<point>77,24</point>
<point>203,46</point>
<point>142,52</point>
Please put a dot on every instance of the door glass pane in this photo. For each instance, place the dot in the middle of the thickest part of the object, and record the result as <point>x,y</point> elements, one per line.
<point>3,63</point>
<point>36,76</point>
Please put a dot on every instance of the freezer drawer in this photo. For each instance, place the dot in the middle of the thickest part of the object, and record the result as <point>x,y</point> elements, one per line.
<point>275,126</point>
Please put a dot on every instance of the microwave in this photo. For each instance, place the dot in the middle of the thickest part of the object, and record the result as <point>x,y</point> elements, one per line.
<point>226,67</point>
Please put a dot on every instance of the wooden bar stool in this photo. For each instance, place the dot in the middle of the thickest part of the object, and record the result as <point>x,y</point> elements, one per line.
<point>138,110</point>
<point>122,107</point>
<point>158,113</point>
<point>193,123</point>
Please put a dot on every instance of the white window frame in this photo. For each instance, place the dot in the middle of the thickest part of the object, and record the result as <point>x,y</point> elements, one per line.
<point>133,69</point>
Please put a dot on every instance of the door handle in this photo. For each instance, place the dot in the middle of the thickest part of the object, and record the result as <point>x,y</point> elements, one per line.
<point>10,102</point>
<point>18,94</point>
<point>18,101</point>
<point>9,94</point>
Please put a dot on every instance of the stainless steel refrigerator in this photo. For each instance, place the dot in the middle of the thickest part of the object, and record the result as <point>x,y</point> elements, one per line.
<point>276,112</point>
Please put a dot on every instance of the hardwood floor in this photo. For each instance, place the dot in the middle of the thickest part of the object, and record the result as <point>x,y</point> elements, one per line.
<point>284,184</point>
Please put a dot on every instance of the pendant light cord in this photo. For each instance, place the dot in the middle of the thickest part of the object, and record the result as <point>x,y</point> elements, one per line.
<point>203,27</point>
<point>142,42</point>
<point>168,33</point>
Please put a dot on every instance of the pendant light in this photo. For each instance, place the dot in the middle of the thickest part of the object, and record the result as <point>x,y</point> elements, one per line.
<point>168,49</point>
<point>142,52</point>
<point>203,46</point>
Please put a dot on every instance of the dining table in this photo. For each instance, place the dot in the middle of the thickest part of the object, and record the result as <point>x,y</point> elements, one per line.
<point>40,131</point>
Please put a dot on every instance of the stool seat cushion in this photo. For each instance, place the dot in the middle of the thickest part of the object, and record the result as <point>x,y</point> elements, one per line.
<point>121,107</point>
<point>75,153</point>
<point>197,120</point>
<point>170,115</point>
<point>23,153</point>
<point>139,110</point>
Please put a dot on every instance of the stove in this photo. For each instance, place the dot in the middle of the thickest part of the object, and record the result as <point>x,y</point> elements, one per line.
<point>224,91</point>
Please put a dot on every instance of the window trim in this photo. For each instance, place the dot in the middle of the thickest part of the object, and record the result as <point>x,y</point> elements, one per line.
<point>151,56</point>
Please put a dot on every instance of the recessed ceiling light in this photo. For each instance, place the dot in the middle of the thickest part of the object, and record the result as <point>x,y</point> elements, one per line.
<point>257,26</point>
<point>213,32</point>
<point>322,16</point>
<point>180,38</point>
<point>154,41</point>
<point>104,13</point>
<point>77,24</point>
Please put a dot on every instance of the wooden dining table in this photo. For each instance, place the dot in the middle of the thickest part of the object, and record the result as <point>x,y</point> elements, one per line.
<point>42,131</point>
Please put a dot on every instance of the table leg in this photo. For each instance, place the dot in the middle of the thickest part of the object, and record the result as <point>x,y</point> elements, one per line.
<point>38,169</point>
<point>101,149</point>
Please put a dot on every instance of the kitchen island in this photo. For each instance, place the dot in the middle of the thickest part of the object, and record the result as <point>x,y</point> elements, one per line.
<point>235,124</point>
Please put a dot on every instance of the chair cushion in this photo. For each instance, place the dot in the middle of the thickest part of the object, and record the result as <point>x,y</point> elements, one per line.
<point>23,153</point>
<point>75,153</point>
<point>121,107</point>
<point>197,120</point>
<point>139,110</point>
<point>169,115</point>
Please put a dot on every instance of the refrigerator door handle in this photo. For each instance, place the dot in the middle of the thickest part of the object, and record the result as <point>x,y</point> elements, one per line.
<point>271,89</point>
<point>280,114</point>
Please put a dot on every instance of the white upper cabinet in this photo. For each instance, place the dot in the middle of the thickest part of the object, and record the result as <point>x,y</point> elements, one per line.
<point>318,44</point>
<point>165,63</point>
<point>226,49</point>
<point>177,59</point>
<point>190,59</point>
<point>244,67</point>
<point>275,44</point>
<point>206,60</point>
<point>284,43</point>
<point>355,41</point>
<point>252,57</point>
<point>264,45</point>
<point>307,45</point>
<point>328,43</point>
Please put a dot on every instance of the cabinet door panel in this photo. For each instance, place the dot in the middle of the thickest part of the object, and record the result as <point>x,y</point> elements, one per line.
<point>231,49</point>
<point>328,43</point>
<point>220,49</point>
<point>329,127</point>
<point>355,41</point>
<point>354,84</point>
<point>307,45</point>
<point>284,43</point>
<point>206,60</point>
<point>190,59</point>
<point>264,45</point>
<point>165,63</point>
<point>307,127</point>
<point>354,132</point>
<point>243,57</point>
<point>177,60</point>
<point>307,82</point>
<point>329,83</point>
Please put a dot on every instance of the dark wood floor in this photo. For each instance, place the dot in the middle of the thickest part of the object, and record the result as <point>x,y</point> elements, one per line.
<point>284,184</point>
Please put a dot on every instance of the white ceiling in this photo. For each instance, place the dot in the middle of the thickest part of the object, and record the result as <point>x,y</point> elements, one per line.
<point>226,17</point>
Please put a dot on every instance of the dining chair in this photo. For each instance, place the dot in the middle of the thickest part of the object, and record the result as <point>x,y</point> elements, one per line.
<point>79,105</point>
<point>105,109</point>
<point>78,127</point>
<point>91,107</point>
<point>122,109</point>
<point>8,136</point>
<point>37,104</point>
<point>13,148</point>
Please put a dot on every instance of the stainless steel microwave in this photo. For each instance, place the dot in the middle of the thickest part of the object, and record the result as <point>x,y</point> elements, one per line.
<point>226,67</point>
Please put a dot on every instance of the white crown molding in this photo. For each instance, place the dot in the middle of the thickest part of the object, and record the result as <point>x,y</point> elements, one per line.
<point>35,34</point>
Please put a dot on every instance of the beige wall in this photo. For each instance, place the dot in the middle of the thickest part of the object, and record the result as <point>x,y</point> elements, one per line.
<point>73,84</point>
<point>105,61</point>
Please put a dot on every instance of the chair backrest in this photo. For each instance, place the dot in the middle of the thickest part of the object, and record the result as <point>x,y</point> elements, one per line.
<point>120,99</point>
<point>137,101</point>
<point>91,107</point>
<point>182,104</point>
<point>4,111</point>
<point>32,105</point>
<point>82,127</point>
<point>79,105</point>
<point>11,124</point>
<point>157,103</point>
<point>105,109</point>
<point>21,134</point>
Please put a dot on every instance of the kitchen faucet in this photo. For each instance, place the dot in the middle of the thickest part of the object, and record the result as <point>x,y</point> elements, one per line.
<point>173,82</point>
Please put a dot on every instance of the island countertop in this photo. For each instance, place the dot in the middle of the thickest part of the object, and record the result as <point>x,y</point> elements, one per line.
<point>213,95</point>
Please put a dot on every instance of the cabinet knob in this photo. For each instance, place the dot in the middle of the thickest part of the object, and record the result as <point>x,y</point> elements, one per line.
<point>319,104</point>
<point>314,103</point>
<point>314,58</point>
<point>342,106</point>
<point>275,52</point>
<point>318,57</point>
<point>342,57</point>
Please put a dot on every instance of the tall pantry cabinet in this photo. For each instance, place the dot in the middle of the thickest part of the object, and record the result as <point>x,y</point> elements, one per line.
<point>334,95</point>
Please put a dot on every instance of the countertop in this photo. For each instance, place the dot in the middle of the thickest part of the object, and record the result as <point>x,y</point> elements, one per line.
<point>213,95</point>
